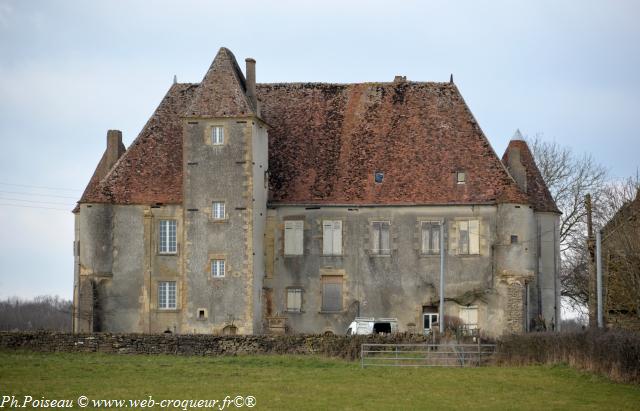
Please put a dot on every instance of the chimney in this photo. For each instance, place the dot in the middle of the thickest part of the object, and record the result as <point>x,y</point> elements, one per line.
<point>115,148</point>
<point>251,81</point>
<point>399,79</point>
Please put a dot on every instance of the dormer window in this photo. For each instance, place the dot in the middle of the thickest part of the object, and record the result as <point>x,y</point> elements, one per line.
<point>217,135</point>
<point>378,176</point>
<point>461,177</point>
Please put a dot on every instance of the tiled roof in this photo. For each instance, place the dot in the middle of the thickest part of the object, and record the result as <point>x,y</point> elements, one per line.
<point>326,142</point>
<point>222,92</point>
<point>537,192</point>
<point>150,171</point>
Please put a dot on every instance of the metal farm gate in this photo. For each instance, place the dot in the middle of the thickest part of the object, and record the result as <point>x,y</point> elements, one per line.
<point>426,355</point>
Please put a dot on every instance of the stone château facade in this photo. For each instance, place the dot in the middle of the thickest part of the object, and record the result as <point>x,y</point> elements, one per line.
<point>295,207</point>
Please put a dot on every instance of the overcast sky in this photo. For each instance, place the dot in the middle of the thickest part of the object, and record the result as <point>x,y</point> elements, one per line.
<point>71,70</point>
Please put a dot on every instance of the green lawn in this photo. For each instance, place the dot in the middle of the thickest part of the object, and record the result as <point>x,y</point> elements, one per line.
<point>302,383</point>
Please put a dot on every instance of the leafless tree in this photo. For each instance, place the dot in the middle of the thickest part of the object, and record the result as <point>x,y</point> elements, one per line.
<point>570,177</point>
<point>41,313</point>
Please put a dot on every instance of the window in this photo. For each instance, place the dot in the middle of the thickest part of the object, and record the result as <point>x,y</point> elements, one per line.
<point>217,268</point>
<point>218,210</point>
<point>469,316</point>
<point>167,295</point>
<point>294,299</point>
<point>468,237</point>
<point>293,237</point>
<point>461,177</point>
<point>217,135</point>
<point>332,293</point>
<point>380,237</point>
<point>378,176</point>
<point>514,239</point>
<point>168,244</point>
<point>332,237</point>
<point>429,320</point>
<point>430,237</point>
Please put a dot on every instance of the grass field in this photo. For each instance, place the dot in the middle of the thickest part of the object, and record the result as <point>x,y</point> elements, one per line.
<point>306,383</point>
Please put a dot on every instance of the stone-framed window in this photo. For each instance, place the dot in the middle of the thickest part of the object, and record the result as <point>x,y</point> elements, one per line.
<point>430,237</point>
<point>218,211</point>
<point>468,236</point>
<point>461,177</point>
<point>167,295</point>
<point>294,237</point>
<point>331,293</point>
<point>167,241</point>
<point>332,237</point>
<point>217,135</point>
<point>469,316</point>
<point>217,267</point>
<point>380,238</point>
<point>294,299</point>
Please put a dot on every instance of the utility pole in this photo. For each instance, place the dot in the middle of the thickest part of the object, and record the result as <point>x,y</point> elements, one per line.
<point>592,265</point>
<point>599,276</point>
<point>442,251</point>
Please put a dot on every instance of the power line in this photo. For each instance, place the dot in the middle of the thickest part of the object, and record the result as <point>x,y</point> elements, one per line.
<point>34,201</point>
<point>26,206</point>
<point>41,187</point>
<point>36,194</point>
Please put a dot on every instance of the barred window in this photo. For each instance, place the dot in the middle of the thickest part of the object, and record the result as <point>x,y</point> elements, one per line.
<point>168,243</point>
<point>217,268</point>
<point>218,210</point>
<point>167,295</point>
<point>217,135</point>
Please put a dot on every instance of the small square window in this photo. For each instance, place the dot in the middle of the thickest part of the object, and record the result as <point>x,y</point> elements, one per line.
<point>514,239</point>
<point>379,176</point>
<point>218,211</point>
<point>461,177</point>
<point>217,135</point>
<point>202,314</point>
<point>217,268</point>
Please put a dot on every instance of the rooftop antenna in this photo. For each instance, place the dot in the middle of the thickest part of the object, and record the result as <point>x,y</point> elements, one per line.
<point>175,79</point>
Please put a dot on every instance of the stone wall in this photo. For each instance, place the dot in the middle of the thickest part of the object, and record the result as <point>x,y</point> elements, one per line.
<point>197,344</point>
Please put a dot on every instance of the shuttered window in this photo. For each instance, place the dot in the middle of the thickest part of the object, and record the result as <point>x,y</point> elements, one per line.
<point>380,237</point>
<point>430,237</point>
<point>332,237</point>
<point>469,317</point>
<point>468,237</point>
<point>293,237</point>
<point>294,299</point>
<point>332,293</point>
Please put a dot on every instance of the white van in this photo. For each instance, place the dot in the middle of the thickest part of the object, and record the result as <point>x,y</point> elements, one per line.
<point>370,325</point>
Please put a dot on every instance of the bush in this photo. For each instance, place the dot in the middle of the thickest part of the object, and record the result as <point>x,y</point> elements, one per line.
<point>613,353</point>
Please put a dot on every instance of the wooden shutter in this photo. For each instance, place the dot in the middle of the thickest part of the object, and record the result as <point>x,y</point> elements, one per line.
<point>293,237</point>
<point>337,237</point>
<point>327,237</point>
<point>474,237</point>
<point>425,237</point>
<point>332,293</point>
<point>384,238</point>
